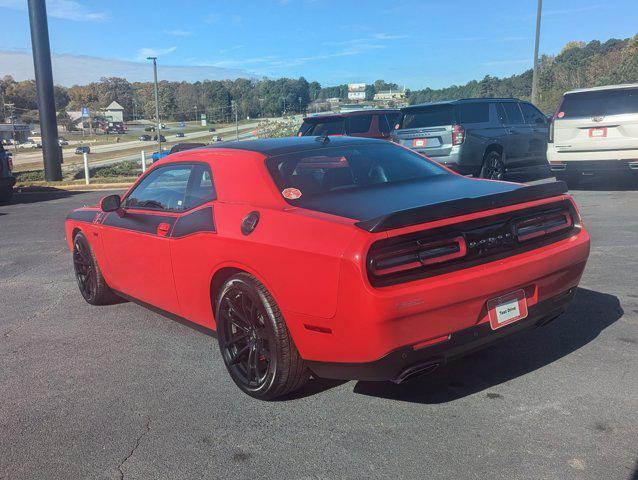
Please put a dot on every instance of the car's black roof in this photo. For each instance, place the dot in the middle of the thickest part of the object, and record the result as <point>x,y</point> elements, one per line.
<point>462,100</point>
<point>354,113</point>
<point>279,146</point>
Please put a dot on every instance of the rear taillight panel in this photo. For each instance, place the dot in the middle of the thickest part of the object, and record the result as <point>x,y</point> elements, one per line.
<point>458,134</point>
<point>434,252</point>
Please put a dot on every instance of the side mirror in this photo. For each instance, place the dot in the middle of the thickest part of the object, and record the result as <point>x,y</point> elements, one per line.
<point>111,203</point>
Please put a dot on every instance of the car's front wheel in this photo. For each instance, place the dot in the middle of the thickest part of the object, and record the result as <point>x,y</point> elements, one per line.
<point>91,283</point>
<point>493,166</point>
<point>255,343</point>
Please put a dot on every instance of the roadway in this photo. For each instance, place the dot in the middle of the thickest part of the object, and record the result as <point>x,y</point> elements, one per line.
<point>122,392</point>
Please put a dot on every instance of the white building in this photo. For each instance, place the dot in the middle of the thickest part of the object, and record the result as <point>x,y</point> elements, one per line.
<point>114,113</point>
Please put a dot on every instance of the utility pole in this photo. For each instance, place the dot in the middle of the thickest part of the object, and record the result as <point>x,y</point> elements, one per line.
<point>234,107</point>
<point>51,151</point>
<point>157,117</point>
<point>535,71</point>
<point>300,105</point>
<point>284,112</point>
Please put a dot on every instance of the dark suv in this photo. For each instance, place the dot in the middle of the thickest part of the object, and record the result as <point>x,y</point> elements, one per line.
<point>483,137</point>
<point>7,180</point>
<point>362,123</point>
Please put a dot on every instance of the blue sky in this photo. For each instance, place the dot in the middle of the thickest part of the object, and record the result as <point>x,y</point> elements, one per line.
<point>418,43</point>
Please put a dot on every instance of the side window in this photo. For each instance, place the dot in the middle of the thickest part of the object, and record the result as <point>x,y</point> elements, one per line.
<point>514,115</point>
<point>474,112</point>
<point>500,111</point>
<point>202,189</point>
<point>532,115</point>
<point>359,124</point>
<point>384,126</point>
<point>162,189</point>
<point>393,119</point>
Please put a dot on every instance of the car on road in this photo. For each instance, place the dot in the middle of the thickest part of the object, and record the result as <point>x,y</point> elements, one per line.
<point>62,141</point>
<point>216,138</point>
<point>362,123</point>
<point>595,133</point>
<point>211,129</point>
<point>7,180</point>
<point>144,138</point>
<point>482,137</point>
<point>82,149</point>
<point>29,144</point>
<point>345,258</point>
<point>179,134</point>
<point>162,138</point>
<point>149,129</point>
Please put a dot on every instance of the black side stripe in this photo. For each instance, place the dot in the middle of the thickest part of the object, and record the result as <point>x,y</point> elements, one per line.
<point>138,222</point>
<point>82,215</point>
<point>201,220</point>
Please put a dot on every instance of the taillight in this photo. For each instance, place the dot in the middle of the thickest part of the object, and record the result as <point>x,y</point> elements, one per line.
<point>417,254</point>
<point>458,135</point>
<point>542,225</point>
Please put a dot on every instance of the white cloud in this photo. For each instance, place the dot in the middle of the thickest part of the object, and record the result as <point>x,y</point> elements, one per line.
<point>64,9</point>
<point>143,53</point>
<point>19,64</point>
<point>179,33</point>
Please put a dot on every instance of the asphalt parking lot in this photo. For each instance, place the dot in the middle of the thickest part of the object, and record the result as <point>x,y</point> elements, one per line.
<point>122,392</point>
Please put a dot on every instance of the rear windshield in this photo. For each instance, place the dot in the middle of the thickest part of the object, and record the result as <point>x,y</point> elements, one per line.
<point>433,116</point>
<point>328,126</point>
<point>599,103</point>
<point>330,169</point>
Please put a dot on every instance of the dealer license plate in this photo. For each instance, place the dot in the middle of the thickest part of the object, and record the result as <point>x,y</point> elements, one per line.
<point>507,309</point>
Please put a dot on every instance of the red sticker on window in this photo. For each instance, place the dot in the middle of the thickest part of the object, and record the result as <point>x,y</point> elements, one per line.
<point>560,114</point>
<point>291,193</point>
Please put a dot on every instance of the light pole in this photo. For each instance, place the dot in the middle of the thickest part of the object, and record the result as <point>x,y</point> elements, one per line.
<point>300,105</point>
<point>234,107</point>
<point>538,33</point>
<point>157,117</point>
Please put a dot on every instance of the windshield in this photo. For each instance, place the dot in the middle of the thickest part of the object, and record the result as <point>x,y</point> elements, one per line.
<point>319,172</point>
<point>432,116</point>
<point>599,103</point>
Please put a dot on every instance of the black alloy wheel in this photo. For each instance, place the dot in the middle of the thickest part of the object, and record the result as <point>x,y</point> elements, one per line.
<point>84,269</point>
<point>254,340</point>
<point>493,166</point>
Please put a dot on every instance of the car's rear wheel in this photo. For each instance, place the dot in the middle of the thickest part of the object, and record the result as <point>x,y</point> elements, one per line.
<point>6,194</point>
<point>255,343</point>
<point>91,283</point>
<point>493,166</point>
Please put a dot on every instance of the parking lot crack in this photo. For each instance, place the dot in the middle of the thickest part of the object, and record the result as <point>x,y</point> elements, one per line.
<point>147,427</point>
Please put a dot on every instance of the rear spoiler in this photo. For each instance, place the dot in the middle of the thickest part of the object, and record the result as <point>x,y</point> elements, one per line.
<point>462,206</point>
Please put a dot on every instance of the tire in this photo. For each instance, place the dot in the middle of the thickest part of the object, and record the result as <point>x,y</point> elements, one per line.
<point>5,195</point>
<point>254,341</point>
<point>493,166</point>
<point>91,283</point>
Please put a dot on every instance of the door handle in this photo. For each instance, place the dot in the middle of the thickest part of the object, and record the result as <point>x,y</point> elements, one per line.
<point>163,229</point>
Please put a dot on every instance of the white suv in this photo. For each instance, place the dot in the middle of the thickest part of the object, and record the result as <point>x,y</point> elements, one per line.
<point>595,132</point>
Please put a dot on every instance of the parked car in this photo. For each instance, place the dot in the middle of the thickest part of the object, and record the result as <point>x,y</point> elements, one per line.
<point>161,137</point>
<point>82,149</point>
<point>483,137</point>
<point>29,144</point>
<point>179,134</point>
<point>211,129</point>
<point>178,147</point>
<point>7,180</point>
<point>62,141</point>
<point>363,123</point>
<point>595,132</point>
<point>216,138</point>
<point>144,138</point>
<point>350,258</point>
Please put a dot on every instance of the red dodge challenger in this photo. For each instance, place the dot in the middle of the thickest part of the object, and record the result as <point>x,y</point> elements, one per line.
<point>341,257</point>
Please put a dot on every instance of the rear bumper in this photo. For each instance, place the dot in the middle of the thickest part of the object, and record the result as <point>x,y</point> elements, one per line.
<point>594,167</point>
<point>401,364</point>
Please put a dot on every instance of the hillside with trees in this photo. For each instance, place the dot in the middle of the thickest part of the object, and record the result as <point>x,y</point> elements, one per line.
<point>578,65</point>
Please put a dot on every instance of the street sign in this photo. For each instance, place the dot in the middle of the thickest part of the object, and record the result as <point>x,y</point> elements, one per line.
<point>85,112</point>
<point>203,119</point>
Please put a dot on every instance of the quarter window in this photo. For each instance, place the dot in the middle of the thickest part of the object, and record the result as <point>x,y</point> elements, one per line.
<point>201,189</point>
<point>474,112</point>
